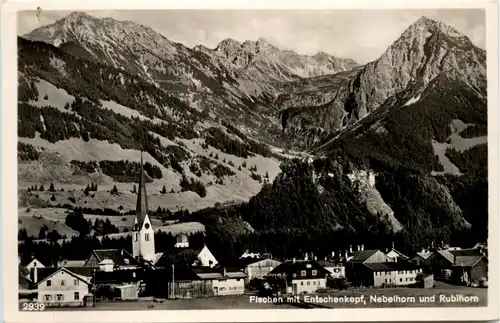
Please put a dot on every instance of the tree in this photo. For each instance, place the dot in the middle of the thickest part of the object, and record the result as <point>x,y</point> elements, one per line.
<point>267,175</point>
<point>52,198</point>
<point>114,190</point>
<point>42,234</point>
<point>51,188</point>
<point>41,188</point>
<point>163,190</point>
<point>22,235</point>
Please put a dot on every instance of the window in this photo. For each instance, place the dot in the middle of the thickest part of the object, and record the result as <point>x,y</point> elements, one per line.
<point>314,272</point>
<point>314,282</point>
<point>301,283</point>
<point>60,297</point>
<point>47,298</point>
<point>400,280</point>
<point>294,275</point>
<point>146,237</point>
<point>303,273</point>
<point>77,296</point>
<point>76,282</point>
<point>386,280</point>
<point>136,236</point>
<point>63,282</point>
<point>49,283</point>
<point>308,283</point>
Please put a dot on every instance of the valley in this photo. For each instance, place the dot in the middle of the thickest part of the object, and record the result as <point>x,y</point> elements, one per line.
<point>248,143</point>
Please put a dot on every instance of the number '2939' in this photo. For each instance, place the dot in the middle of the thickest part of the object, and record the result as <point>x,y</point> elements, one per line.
<point>33,307</point>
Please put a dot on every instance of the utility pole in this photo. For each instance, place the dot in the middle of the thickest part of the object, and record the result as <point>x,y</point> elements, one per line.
<point>173,281</point>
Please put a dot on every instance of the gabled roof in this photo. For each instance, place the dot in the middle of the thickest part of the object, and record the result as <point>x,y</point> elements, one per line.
<point>120,257</point>
<point>141,209</point>
<point>465,252</point>
<point>325,263</point>
<point>447,255</point>
<point>218,273</point>
<point>187,255</point>
<point>400,254</point>
<point>25,263</point>
<point>361,256</point>
<point>288,268</point>
<point>72,263</point>
<point>424,255</point>
<point>467,261</point>
<point>391,266</point>
<point>45,273</point>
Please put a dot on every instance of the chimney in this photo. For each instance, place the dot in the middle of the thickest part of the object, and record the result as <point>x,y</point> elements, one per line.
<point>333,254</point>
<point>315,257</point>
<point>432,244</point>
<point>346,254</point>
<point>35,274</point>
<point>393,245</point>
<point>396,259</point>
<point>350,248</point>
<point>293,259</point>
<point>362,247</point>
<point>224,271</point>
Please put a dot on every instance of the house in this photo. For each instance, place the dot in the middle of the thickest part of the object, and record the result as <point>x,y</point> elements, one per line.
<point>336,270</point>
<point>256,268</point>
<point>224,281</point>
<point>469,267</point>
<point>421,258</point>
<point>33,263</point>
<point>394,255</point>
<point>62,286</point>
<point>25,291</point>
<point>297,277</point>
<point>399,273</point>
<point>360,258</point>
<point>120,257</point>
<point>196,257</point>
<point>194,282</point>
<point>182,241</point>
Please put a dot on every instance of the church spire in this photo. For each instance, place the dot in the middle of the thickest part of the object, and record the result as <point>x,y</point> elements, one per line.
<point>141,209</point>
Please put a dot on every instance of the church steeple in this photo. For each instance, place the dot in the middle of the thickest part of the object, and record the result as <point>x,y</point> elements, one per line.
<point>141,209</point>
<point>143,242</point>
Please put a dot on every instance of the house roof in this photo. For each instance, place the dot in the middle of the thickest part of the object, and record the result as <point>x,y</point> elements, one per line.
<point>360,256</point>
<point>218,273</point>
<point>72,263</point>
<point>391,266</point>
<point>325,263</point>
<point>465,252</point>
<point>119,256</point>
<point>467,261</point>
<point>46,273</point>
<point>26,262</point>
<point>424,255</point>
<point>447,255</point>
<point>176,255</point>
<point>400,254</point>
<point>288,268</point>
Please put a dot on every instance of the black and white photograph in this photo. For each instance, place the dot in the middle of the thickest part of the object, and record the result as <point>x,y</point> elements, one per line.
<point>251,159</point>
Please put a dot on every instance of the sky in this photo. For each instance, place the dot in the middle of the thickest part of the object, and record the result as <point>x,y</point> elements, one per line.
<point>362,35</point>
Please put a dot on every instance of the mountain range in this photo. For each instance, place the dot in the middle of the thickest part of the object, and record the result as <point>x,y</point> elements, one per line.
<point>276,139</point>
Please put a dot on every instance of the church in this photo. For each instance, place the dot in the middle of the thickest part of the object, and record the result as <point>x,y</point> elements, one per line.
<point>143,243</point>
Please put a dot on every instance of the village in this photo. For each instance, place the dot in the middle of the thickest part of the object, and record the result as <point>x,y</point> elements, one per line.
<point>115,278</point>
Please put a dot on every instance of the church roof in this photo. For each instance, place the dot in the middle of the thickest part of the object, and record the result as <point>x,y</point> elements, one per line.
<point>141,209</point>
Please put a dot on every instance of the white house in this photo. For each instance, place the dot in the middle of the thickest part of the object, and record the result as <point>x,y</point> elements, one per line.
<point>34,263</point>
<point>61,287</point>
<point>257,268</point>
<point>205,258</point>
<point>224,281</point>
<point>300,276</point>
<point>391,274</point>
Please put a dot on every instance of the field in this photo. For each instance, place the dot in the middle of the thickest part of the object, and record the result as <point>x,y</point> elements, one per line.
<point>246,302</point>
<point>54,218</point>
